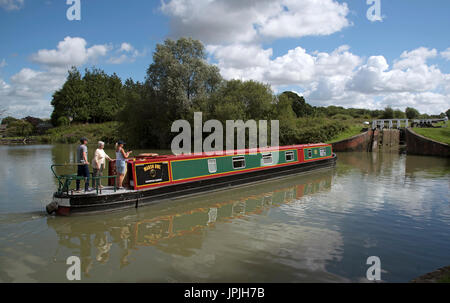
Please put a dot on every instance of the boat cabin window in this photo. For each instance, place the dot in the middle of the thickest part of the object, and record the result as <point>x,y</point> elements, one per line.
<point>238,162</point>
<point>267,158</point>
<point>212,165</point>
<point>289,156</point>
<point>323,152</point>
<point>309,153</point>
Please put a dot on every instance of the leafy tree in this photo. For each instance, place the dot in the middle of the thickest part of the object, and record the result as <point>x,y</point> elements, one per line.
<point>180,74</point>
<point>286,116</point>
<point>104,95</point>
<point>244,100</point>
<point>33,120</point>
<point>399,114</point>
<point>71,100</point>
<point>95,97</point>
<point>20,128</point>
<point>448,113</point>
<point>411,113</point>
<point>388,113</point>
<point>299,105</point>
<point>178,82</point>
<point>63,121</point>
<point>8,120</point>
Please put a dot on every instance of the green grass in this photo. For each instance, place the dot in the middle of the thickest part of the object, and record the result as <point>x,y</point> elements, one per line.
<point>436,134</point>
<point>107,132</point>
<point>350,132</point>
<point>444,279</point>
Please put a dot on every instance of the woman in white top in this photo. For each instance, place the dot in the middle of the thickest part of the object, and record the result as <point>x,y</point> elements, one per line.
<point>98,163</point>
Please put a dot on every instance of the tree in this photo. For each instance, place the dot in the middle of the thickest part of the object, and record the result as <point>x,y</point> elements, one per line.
<point>244,100</point>
<point>299,105</point>
<point>286,116</point>
<point>448,113</point>
<point>411,113</point>
<point>388,113</point>
<point>20,128</point>
<point>8,120</point>
<point>95,97</point>
<point>399,114</point>
<point>104,95</point>
<point>178,82</point>
<point>180,74</point>
<point>71,100</point>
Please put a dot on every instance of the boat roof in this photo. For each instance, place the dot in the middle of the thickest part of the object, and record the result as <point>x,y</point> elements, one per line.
<point>226,152</point>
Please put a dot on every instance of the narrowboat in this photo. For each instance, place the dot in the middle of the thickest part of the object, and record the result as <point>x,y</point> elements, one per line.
<point>152,179</point>
<point>189,216</point>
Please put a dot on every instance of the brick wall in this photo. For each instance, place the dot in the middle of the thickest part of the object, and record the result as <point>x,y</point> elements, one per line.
<point>417,144</point>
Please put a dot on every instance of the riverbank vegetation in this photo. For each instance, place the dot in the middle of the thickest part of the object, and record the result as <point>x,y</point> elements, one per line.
<point>107,132</point>
<point>178,83</point>
<point>352,130</point>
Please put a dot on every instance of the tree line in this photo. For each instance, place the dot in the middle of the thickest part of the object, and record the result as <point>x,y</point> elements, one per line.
<point>180,82</point>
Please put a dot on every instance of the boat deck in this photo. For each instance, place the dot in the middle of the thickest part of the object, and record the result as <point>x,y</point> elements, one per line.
<point>105,191</point>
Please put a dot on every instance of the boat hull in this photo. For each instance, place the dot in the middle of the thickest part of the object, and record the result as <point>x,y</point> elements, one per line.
<point>87,203</point>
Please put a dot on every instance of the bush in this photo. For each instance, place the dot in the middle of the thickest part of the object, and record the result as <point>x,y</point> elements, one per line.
<point>342,117</point>
<point>63,121</point>
<point>20,128</point>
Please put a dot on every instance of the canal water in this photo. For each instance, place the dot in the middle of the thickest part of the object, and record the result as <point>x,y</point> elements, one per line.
<point>317,227</point>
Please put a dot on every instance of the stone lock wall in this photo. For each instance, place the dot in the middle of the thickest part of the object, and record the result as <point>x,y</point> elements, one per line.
<point>419,145</point>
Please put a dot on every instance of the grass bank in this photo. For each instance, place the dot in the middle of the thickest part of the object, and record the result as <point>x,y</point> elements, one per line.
<point>436,134</point>
<point>107,132</point>
<point>351,131</point>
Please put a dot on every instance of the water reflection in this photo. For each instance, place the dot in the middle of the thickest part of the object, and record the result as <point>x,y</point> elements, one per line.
<point>319,227</point>
<point>167,226</point>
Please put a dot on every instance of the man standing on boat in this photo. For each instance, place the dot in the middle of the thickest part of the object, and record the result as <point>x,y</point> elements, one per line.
<point>83,164</point>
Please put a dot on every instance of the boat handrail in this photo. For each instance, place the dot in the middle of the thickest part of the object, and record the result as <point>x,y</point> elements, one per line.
<point>65,180</point>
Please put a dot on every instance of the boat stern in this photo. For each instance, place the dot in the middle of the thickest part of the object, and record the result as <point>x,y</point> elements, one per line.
<point>59,205</point>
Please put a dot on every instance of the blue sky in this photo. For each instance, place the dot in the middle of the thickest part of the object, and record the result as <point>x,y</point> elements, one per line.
<point>326,50</point>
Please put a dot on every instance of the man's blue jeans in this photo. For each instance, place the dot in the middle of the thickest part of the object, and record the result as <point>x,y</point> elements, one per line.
<point>83,171</point>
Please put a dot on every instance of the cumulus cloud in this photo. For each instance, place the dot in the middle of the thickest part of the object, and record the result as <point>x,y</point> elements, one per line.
<point>237,21</point>
<point>235,30</point>
<point>341,77</point>
<point>3,63</point>
<point>446,54</point>
<point>69,52</point>
<point>11,5</point>
<point>28,91</point>
<point>125,53</point>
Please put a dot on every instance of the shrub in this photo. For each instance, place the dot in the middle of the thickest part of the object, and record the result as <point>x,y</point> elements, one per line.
<point>63,121</point>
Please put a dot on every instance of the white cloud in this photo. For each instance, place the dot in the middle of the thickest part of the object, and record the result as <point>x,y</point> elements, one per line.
<point>11,5</point>
<point>3,63</point>
<point>28,91</point>
<point>341,77</point>
<point>237,21</point>
<point>126,47</point>
<point>69,52</point>
<point>446,54</point>
<point>414,58</point>
<point>126,53</point>
<point>234,31</point>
